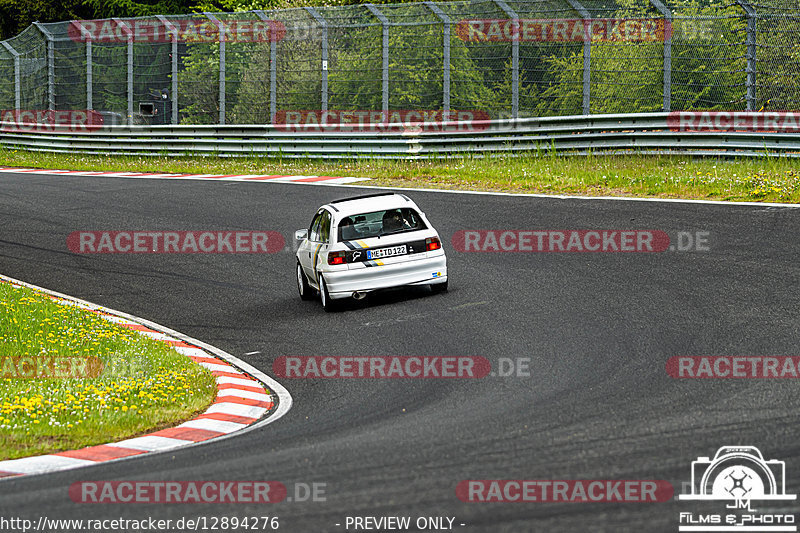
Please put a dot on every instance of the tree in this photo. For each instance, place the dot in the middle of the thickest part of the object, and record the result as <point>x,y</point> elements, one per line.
<point>16,15</point>
<point>140,8</point>
<point>627,75</point>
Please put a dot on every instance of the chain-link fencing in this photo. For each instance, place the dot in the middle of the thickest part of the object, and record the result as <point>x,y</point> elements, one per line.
<point>477,59</point>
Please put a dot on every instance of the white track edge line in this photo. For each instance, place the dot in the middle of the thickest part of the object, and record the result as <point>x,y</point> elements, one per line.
<point>497,193</point>
<point>554,196</point>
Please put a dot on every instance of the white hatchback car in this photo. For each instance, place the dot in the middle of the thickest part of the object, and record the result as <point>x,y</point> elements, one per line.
<point>361,244</point>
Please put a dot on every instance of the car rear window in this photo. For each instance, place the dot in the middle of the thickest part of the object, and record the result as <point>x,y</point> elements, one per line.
<point>377,223</point>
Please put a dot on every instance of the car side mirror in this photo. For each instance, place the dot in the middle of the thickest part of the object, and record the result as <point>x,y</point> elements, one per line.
<point>300,234</point>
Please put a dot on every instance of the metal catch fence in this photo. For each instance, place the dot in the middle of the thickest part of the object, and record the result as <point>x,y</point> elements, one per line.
<point>430,61</point>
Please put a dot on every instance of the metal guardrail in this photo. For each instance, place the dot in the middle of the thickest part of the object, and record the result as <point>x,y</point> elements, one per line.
<point>624,133</point>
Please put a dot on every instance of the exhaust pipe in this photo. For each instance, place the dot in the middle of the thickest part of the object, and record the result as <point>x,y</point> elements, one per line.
<point>359,295</point>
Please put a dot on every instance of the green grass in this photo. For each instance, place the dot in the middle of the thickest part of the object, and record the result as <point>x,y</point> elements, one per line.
<point>754,179</point>
<point>143,384</point>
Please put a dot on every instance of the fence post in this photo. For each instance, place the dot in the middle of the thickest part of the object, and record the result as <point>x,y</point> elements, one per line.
<point>511,14</point>
<point>750,13</point>
<point>667,53</point>
<point>385,55</point>
<point>446,25</point>
<point>174,74</point>
<point>129,33</point>
<point>221,31</point>
<point>17,81</point>
<point>324,26</point>
<point>51,75</point>
<point>273,67</point>
<point>87,35</point>
<point>587,54</point>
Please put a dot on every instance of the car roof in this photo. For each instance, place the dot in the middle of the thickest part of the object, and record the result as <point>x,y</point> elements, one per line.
<point>368,203</point>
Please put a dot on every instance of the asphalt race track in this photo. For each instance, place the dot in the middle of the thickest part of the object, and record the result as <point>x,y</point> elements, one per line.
<point>597,328</point>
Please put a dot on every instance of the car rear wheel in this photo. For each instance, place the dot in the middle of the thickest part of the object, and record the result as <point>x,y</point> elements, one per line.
<point>327,303</point>
<point>302,284</point>
<point>439,287</point>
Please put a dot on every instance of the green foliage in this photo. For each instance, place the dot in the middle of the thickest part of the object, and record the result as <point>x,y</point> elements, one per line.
<point>140,8</point>
<point>250,103</point>
<point>215,6</point>
<point>709,59</point>
<point>249,5</point>
<point>198,85</point>
<point>708,64</point>
<point>16,15</point>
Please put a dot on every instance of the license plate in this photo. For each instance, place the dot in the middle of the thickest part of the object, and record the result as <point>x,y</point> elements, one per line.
<point>386,252</point>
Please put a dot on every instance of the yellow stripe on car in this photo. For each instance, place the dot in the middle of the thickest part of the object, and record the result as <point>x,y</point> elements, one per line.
<point>316,257</point>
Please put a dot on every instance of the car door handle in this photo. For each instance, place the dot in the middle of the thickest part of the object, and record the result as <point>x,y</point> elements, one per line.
<point>309,255</point>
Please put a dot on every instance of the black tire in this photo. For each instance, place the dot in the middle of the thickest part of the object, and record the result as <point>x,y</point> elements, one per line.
<point>305,290</point>
<point>439,287</point>
<point>327,304</point>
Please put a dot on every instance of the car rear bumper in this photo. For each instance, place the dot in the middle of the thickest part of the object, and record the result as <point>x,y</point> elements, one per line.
<point>423,271</point>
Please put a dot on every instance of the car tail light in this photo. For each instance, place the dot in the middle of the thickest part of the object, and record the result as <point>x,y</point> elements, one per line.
<point>336,258</point>
<point>432,243</point>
